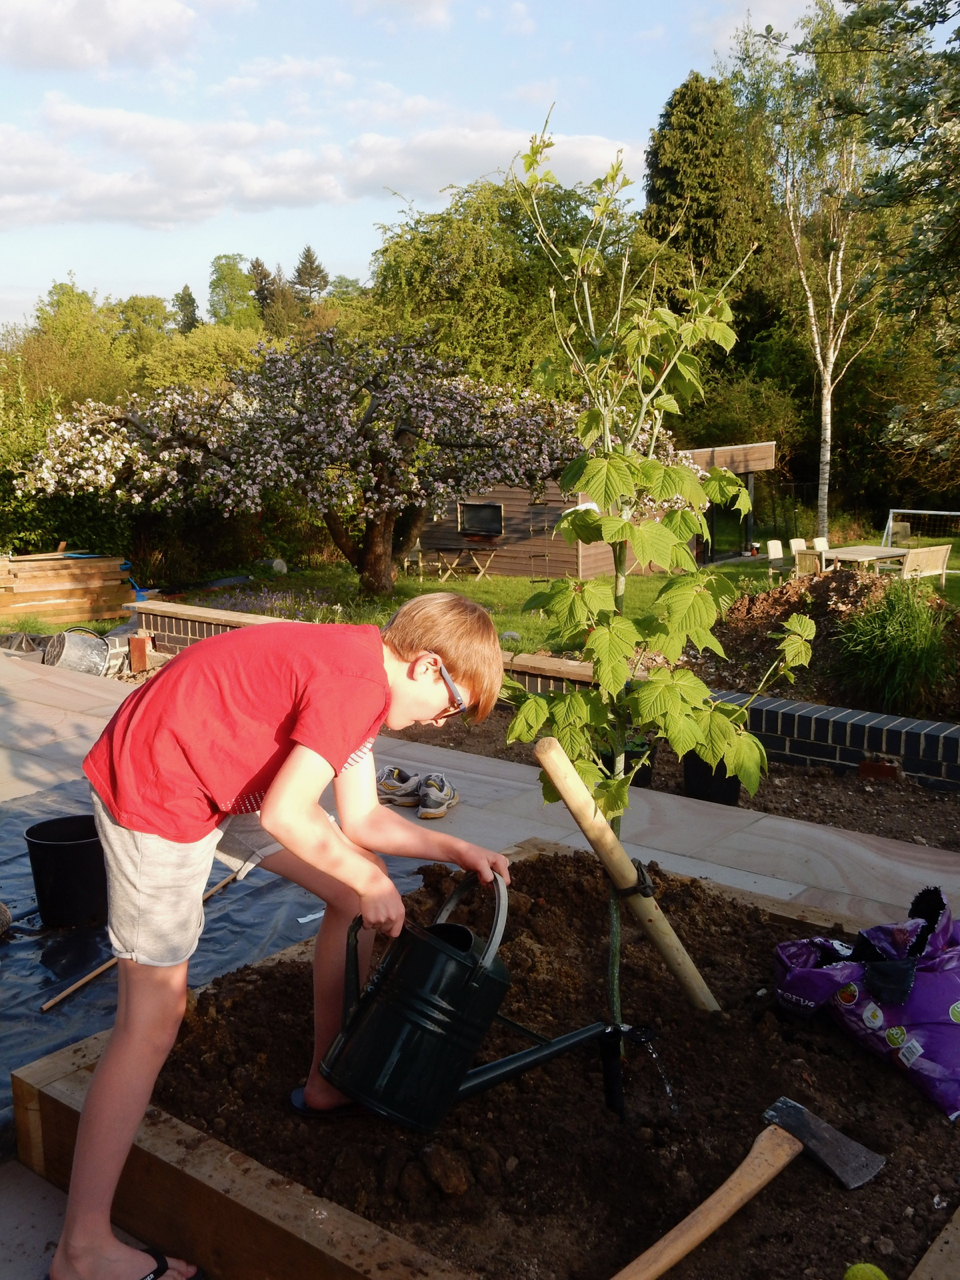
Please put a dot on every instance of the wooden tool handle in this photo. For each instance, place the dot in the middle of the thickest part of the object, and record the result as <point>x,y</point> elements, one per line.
<point>772,1151</point>
<point>583,807</point>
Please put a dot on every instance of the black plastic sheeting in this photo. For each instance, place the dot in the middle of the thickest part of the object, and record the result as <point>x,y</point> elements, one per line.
<point>247,920</point>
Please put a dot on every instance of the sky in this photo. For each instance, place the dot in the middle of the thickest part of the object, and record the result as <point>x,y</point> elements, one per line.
<point>140,138</point>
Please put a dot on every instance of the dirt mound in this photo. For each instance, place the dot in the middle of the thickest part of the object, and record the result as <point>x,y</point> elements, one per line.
<point>536,1177</point>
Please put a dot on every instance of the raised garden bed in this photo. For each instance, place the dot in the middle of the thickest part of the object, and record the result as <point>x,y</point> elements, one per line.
<point>535,1178</point>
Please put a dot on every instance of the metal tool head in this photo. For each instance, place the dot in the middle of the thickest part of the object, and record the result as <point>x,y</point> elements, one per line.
<point>849,1161</point>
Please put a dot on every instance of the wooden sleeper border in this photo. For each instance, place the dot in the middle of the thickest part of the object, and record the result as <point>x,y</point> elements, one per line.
<point>201,1199</point>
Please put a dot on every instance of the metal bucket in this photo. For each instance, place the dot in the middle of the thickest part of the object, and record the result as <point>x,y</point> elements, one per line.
<point>78,649</point>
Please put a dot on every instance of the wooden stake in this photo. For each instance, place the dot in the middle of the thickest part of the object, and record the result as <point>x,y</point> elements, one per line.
<point>583,807</point>
<point>82,982</point>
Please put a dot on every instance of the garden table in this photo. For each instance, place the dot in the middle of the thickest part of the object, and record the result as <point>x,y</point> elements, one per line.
<point>865,555</point>
<point>451,563</point>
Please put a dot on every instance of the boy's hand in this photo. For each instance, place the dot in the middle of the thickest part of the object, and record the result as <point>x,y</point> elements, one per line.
<point>471,857</point>
<point>382,909</point>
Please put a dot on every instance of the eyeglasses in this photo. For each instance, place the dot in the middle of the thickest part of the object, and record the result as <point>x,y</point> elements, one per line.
<point>459,706</point>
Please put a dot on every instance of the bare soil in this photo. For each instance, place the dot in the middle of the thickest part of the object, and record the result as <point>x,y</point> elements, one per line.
<point>828,599</point>
<point>900,810</point>
<point>536,1178</point>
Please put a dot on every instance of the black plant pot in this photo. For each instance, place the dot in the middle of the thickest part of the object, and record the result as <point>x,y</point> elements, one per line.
<point>644,775</point>
<point>702,782</point>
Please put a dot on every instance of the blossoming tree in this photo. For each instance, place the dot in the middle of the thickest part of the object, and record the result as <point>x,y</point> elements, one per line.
<point>374,437</point>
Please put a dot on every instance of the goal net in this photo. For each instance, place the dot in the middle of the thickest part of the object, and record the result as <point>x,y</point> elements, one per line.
<point>915,528</point>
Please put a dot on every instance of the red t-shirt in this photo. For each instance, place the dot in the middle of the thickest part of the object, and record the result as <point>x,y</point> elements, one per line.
<point>208,733</point>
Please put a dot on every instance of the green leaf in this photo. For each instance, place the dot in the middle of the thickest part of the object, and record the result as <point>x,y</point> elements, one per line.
<point>717,731</point>
<point>693,690</point>
<point>589,772</point>
<point>512,691</point>
<point>666,404</point>
<point>652,543</point>
<point>589,426</point>
<point>598,595</point>
<point>801,625</point>
<point>609,646</point>
<point>682,732</point>
<point>607,479</point>
<point>612,796</point>
<point>572,473</point>
<point>568,709</point>
<point>529,720</point>
<point>580,525</point>
<point>746,758</point>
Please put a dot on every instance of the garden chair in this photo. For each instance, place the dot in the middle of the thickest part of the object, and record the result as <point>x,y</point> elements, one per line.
<point>774,556</point>
<point>927,562</point>
<point>900,533</point>
<point>797,544</point>
<point>821,544</point>
<point>810,562</point>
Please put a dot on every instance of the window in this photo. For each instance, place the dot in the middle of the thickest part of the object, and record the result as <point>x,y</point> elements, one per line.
<point>480,519</point>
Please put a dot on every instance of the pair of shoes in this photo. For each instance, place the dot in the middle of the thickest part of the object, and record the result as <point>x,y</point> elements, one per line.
<point>431,795</point>
<point>437,795</point>
<point>343,1112</point>
<point>396,786</point>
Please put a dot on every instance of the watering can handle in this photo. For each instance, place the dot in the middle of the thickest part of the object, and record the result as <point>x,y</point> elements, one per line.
<point>351,977</point>
<point>500,915</point>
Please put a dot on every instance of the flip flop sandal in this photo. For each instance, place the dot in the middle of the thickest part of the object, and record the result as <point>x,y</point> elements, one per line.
<point>344,1111</point>
<point>161,1268</point>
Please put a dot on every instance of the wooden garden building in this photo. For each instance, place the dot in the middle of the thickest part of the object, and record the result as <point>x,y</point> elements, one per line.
<point>506,532</point>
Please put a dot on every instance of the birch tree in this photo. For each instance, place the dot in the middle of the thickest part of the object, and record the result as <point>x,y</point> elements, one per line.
<point>819,160</point>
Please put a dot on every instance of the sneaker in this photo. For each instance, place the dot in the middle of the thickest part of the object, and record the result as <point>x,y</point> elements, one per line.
<point>436,796</point>
<point>396,786</point>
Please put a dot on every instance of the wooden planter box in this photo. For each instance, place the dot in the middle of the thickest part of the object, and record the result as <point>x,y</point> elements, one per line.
<point>191,1194</point>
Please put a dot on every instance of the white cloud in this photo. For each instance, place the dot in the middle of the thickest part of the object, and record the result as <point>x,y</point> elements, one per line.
<point>422,13</point>
<point>93,33</point>
<point>97,164</point>
<point>519,20</point>
<point>261,72</point>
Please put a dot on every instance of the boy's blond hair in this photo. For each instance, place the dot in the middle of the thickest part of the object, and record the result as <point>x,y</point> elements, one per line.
<point>461,633</point>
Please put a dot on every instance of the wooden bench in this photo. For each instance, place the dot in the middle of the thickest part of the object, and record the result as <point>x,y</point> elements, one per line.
<point>927,562</point>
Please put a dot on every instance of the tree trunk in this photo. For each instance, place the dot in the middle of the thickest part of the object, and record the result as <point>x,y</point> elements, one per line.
<point>826,441</point>
<point>619,574</point>
<point>375,563</point>
<point>407,529</point>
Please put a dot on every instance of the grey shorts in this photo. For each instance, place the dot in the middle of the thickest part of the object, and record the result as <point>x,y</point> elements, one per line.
<point>155,886</point>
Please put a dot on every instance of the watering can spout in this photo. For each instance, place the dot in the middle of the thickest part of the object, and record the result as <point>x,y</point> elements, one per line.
<point>493,1073</point>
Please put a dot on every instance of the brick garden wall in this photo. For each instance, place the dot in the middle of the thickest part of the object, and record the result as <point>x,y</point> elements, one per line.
<point>791,732</point>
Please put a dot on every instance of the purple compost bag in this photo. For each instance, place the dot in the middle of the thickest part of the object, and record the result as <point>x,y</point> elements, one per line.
<point>897,990</point>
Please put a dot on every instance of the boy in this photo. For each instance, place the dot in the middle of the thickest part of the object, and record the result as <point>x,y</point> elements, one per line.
<point>226,751</point>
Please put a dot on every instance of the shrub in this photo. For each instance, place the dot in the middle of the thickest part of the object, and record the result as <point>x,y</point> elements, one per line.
<point>893,654</point>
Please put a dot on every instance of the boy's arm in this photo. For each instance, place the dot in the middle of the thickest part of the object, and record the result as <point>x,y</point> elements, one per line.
<point>291,814</point>
<point>369,824</point>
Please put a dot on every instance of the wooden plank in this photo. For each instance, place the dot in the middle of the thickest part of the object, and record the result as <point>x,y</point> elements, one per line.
<point>738,458</point>
<point>170,609</point>
<point>942,1259</point>
<point>64,615</point>
<point>89,582</point>
<point>196,1197</point>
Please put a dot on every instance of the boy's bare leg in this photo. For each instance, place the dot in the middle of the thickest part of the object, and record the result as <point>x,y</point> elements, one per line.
<point>150,1006</point>
<point>329,960</point>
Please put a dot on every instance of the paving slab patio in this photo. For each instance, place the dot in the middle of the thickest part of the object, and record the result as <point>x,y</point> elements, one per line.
<point>49,718</point>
